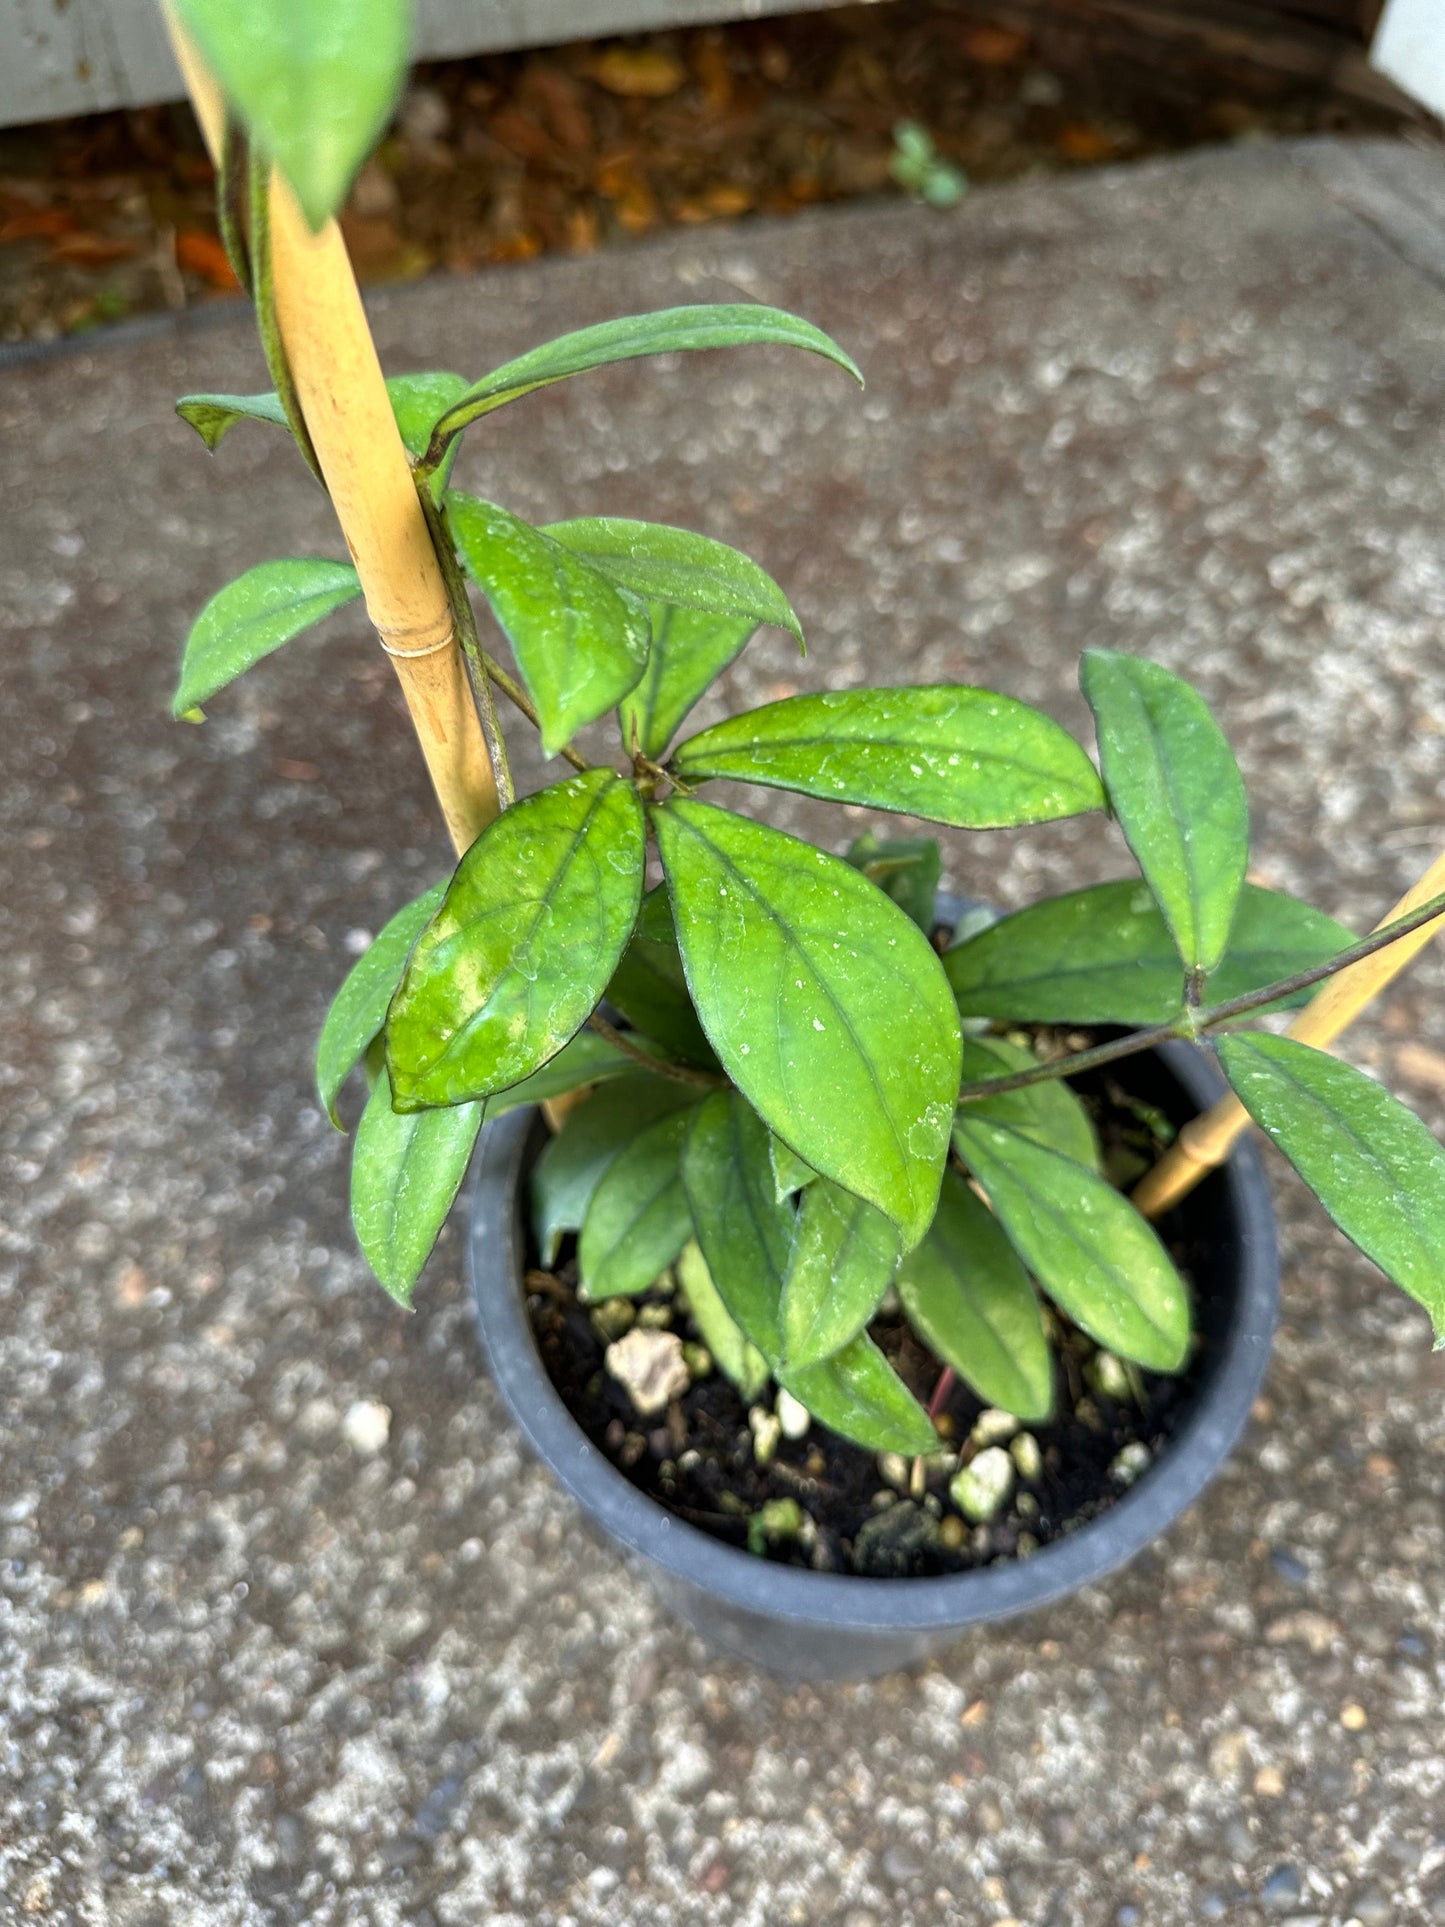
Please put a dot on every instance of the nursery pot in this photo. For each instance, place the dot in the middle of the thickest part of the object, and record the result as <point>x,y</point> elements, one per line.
<point>813,1625</point>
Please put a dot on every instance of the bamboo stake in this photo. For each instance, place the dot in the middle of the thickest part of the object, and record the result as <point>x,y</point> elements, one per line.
<point>1206,1142</point>
<point>343,398</point>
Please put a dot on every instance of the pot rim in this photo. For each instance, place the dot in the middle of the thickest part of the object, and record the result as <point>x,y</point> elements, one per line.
<point>797,1595</point>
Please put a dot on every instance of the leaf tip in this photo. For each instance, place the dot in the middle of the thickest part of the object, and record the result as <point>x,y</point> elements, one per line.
<point>184,712</point>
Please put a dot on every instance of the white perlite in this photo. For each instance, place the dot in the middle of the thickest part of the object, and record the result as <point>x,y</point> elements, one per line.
<point>367,1426</point>
<point>650,1365</point>
<point>983,1485</point>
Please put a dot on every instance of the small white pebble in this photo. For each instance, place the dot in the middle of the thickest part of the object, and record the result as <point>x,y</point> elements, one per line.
<point>367,1425</point>
<point>993,1427</point>
<point>793,1416</point>
<point>983,1485</point>
<point>1132,1463</point>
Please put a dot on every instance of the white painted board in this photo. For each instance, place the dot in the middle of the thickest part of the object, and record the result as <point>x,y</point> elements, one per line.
<point>1409,48</point>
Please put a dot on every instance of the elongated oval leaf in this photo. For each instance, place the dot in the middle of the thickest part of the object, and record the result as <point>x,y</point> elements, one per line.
<point>969,1299</point>
<point>1176,789</point>
<point>405,1175</point>
<point>315,81</point>
<point>666,331</point>
<point>594,1133</point>
<point>580,642</point>
<point>649,986</point>
<point>843,1259</point>
<point>676,566</point>
<point>1087,1246</point>
<point>951,754</point>
<point>735,1357</point>
<point>416,401</point>
<point>1105,956</point>
<point>530,930</point>
<point>255,615</point>
<point>637,1220</point>
<point>790,1174</point>
<point>857,1393</point>
<point>906,868</point>
<point>826,1006</point>
<point>744,1229</point>
<point>1371,1162</point>
<point>690,649</point>
<point>1049,1113</point>
<point>358,1010</point>
<point>588,1059</point>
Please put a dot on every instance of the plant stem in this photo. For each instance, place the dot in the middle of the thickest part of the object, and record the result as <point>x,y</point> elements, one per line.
<point>660,1067</point>
<point>466,628</point>
<point>263,293</point>
<point>231,177</point>
<point>1194,1022</point>
<point>519,699</point>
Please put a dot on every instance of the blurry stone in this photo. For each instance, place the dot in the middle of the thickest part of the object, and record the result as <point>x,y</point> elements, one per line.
<point>366,1426</point>
<point>993,1427</point>
<point>1028,1459</point>
<point>613,1318</point>
<point>792,1415</point>
<point>650,1367</point>
<point>424,115</point>
<point>982,1487</point>
<point>1130,1465</point>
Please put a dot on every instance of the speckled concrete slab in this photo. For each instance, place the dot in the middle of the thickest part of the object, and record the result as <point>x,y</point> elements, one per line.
<point>293,1631</point>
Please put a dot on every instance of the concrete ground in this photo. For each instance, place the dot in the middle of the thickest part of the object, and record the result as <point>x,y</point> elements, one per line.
<point>293,1631</point>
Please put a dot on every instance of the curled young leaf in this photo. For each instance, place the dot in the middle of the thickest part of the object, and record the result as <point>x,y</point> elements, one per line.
<point>951,754</point>
<point>530,930</point>
<point>405,1175</point>
<point>358,1009</point>
<point>255,615</point>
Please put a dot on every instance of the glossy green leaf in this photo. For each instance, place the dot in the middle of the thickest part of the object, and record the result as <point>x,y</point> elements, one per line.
<point>738,1360</point>
<point>1048,1113</point>
<point>906,868</point>
<point>214,416</point>
<point>1176,789</point>
<point>690,649</point>
<point>592,1135</point>
<point>358,1010</point>
<point>1084,1242</point>
<point>1105,956</point>
<point>790,1174</point>
<point>649,987</point>
<point>530,930</point>
<point>1371,1162</point>
<point>666,331</point>
<point>843,1259</point>
<point>255,615</point>
<point>746,1232</point>
<point>953,755</point>
<point>677,567</point>
<point>744,1229</point>
<point>405,1175</point>
<point>825,1004</point>
<point>588,1059</point>
<point>638,1219</point>
<point>314,80</point>
<point>970,1301</point>
<point>580,642</point>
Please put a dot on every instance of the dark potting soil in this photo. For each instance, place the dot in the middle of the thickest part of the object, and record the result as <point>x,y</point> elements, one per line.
<point>853,1510</point>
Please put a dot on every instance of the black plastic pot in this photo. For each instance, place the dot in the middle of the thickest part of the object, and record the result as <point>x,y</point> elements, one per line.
<point>810,1625</point>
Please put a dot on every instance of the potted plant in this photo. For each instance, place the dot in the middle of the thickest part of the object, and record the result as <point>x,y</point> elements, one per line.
<point>821,1289</point>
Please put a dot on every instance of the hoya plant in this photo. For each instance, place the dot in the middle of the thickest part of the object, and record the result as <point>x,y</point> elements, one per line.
<point>789,1090</point>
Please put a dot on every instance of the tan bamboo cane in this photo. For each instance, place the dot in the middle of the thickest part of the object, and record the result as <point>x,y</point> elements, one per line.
<point>343,397</point>
<point>1206,1142</point>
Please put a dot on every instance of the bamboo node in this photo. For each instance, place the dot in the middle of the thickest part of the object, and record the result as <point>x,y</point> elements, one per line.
<point>410,655</point>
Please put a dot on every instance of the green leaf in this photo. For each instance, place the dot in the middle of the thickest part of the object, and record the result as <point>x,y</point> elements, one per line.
<point>666,331</point>
<point>1085,1243</point>
<point>858,1394</point>
<point>744,1229</point>
<point>1371,1162</point>
<point>405,1175</point>
<point>790,1174</point>
<point>953,755</point>
<point>970,1301</point>
<point>738,1360</point>
<point>905,868</point>
<point>530,930</point>
<point>1105,956</point>
<point>825,1004</point>
<point>214,416</point>
<point>649,986</point>
<point>592,1135</point>
<point>358,1010</point>
<point>677,567</point>
<point>588,1059</point>
<point>690,649</point>
<point>580,643</point>
<point>1176,789</point>
<point>637,1220</point>
<point>746,1232</point>
<point>253,616</point>
<point>314,80</point>
<point>1048,1113</point>
<point>843,1259</point>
